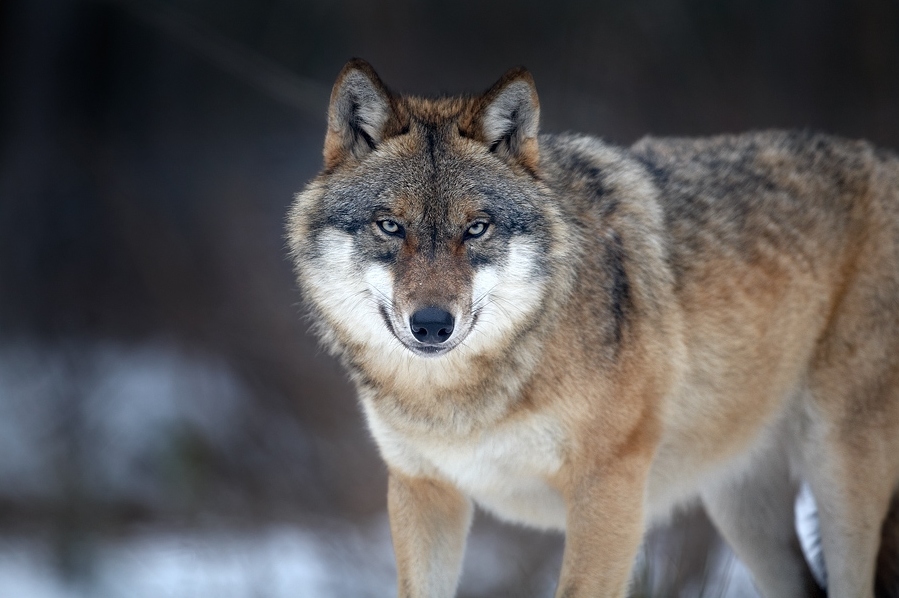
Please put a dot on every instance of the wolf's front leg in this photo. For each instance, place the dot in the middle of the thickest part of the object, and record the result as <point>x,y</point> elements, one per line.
<point>604,528</point>
<point>429,520</point>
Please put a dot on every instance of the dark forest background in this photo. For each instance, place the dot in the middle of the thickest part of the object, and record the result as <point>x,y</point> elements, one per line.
<point>156,372</point>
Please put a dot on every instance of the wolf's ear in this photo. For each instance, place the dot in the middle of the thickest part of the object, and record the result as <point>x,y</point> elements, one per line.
<point>510,117</point>
<point>358,114</point>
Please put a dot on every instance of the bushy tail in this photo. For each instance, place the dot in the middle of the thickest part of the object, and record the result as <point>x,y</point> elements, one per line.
<point>809,530</point>
<point>886,582</point>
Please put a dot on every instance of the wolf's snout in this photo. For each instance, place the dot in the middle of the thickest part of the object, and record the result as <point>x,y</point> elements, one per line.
<point>431,325</point>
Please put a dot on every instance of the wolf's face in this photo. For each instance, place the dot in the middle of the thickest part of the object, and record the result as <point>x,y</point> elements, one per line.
<point>427,232</point>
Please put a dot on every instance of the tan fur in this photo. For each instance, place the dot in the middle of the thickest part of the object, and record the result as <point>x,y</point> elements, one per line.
<point>713,319</point>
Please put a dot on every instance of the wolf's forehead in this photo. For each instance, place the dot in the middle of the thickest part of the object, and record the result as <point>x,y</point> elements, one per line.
<point>436,199</point>
<point>427,180</point>
<point>414,197</point>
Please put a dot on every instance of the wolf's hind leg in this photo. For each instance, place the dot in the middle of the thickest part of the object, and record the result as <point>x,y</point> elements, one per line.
<point>850,442</point>
<point>754,513</point>
<point>852,487</point>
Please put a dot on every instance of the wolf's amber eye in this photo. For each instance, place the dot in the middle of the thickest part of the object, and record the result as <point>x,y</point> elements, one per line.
<point>390,227</point>
<point>476,230</point>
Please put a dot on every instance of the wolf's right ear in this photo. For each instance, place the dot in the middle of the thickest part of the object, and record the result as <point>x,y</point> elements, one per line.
<point>510,118</point>
<point>358,114</point>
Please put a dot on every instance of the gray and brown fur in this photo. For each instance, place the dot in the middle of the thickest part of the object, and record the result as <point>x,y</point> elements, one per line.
<point>712,319</point>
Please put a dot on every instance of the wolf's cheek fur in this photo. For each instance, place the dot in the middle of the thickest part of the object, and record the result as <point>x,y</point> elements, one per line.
<point>380,280</point>
<point>348,294</point>
<point>507,295</point>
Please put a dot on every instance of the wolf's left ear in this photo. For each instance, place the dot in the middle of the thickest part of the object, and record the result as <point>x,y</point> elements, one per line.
<point>358,114</point>
<point>510,118</point>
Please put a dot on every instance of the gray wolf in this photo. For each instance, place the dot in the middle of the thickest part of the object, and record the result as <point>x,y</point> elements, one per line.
<point>582,337</point>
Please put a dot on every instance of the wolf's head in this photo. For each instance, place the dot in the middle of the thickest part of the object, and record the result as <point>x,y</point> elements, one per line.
<point>429,231</point>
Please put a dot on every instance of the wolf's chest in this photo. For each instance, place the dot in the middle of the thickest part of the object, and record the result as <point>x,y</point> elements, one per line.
<point>506,476</point>
<point>505,470</point>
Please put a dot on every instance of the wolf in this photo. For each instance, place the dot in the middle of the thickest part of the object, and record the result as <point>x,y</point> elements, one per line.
<point>583,337</point>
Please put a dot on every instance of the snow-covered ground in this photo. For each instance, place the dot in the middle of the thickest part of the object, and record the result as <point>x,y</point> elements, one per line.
<point>273,562</point>
<point>112,411</point>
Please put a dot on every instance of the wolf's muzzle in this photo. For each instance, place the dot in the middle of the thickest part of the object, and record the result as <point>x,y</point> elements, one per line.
<point>431,325</point>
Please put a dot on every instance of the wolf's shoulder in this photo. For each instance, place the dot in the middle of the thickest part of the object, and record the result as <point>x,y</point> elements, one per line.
<point>590,175</point>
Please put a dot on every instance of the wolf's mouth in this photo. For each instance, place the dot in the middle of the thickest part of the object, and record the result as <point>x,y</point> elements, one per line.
<point>427,350</point>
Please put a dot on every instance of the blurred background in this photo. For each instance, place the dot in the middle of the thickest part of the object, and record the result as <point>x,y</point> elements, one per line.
<point>168,426</point>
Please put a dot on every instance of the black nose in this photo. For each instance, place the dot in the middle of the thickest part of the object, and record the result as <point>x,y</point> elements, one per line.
<point>431,325</point>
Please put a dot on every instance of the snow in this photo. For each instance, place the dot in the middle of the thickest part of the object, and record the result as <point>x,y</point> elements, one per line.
<point>273,562</point>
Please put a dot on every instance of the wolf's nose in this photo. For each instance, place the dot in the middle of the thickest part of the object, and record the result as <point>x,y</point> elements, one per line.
<point>431,325</point>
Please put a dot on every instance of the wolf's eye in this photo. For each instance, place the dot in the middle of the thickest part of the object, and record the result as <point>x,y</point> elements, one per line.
<point>390,227</point>
<point>476,230</point>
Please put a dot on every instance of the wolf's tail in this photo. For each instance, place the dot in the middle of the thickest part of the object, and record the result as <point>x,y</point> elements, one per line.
<point>886,582</point>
